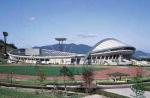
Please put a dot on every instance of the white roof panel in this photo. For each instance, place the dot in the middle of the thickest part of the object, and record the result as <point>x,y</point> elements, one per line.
<point>108,44</point>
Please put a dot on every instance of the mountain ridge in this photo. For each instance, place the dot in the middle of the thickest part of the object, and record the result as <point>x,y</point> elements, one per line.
<point>83,49</point>
<point>73,48</point>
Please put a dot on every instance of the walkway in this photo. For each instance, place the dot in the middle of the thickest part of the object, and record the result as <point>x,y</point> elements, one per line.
<point>126,92</point>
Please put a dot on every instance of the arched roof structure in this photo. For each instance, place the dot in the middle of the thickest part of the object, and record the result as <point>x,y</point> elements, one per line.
<point>107,45</point>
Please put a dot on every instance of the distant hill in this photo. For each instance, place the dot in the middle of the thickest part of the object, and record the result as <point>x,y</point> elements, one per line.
<point>83,49</point>
<point>74,48</point>
<point>140,54</point>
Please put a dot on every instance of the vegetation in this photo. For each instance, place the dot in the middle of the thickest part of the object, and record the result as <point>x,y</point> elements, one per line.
<point>146,86</point>
<point>88,77</point>
<point>7,93</point>
<point>41,74</point>
<point>5,34</point>
<point>4,47</point>
<point>49,70</point>
<point>147,68</point>
<point>117,74</point>
<point>8,46</point>
<point>65,72</point>
<point>137,87</point>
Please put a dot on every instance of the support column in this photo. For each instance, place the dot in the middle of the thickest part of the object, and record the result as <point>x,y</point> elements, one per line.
<point>115,58</point>
<point>100,60</point>
<point>120,58</point>
<point>76,60</point>
<point>96,60</point>
<point>104,59</point>
<point>108,57</point>
<point>91,60</point>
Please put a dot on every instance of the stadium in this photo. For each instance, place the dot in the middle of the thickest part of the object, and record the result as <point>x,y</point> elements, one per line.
<point>109,51</point>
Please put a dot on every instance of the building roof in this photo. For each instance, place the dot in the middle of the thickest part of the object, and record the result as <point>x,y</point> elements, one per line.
<point>109,43</point>
<point>44,52</point>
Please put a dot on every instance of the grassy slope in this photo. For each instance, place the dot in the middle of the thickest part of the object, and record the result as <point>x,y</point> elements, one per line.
<point>31,70</point>
<point>7,93</point>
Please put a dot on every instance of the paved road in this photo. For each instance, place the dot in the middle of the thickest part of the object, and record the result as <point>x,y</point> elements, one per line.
<point>126,92</point>
<point>95,96</point>
<point>114,86</point>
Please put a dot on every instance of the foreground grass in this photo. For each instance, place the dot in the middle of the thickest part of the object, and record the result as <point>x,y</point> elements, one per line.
<point>37,82</point>
<point>146,86</point>
<point>49,70</point>
<point>146,68</point>
<point>7,93</point>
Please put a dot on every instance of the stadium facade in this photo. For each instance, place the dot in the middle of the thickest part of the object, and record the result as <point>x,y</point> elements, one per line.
<point>109,51</point>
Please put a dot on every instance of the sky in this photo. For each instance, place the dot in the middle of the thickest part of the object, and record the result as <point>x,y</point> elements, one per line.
<point>38,22</point>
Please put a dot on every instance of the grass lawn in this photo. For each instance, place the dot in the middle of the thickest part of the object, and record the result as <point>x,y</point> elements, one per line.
<point>37,82</point>
<point>49,70</point>
<point>146,86</point>
<point>8,93</point>
<point>146,68</point>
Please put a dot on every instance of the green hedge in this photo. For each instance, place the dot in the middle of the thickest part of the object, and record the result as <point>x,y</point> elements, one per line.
<point>130,81</point>
<point>146,86</point>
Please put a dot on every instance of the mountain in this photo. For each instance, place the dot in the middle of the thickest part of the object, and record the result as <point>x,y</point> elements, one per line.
<point>140,54</point>
<point>74,48</point>
<point>83,49</point>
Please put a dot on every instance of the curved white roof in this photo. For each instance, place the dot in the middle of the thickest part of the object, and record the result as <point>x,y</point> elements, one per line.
<point>109,43</point>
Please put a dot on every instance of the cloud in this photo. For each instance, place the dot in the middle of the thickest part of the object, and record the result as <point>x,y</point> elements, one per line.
<point>87,35</point>
<point>32,18</point>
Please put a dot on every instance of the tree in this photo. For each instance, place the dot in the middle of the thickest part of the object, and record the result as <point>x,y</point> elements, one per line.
<point>10,77</point>
<point>41,75</point>
<point>54,85</point>
<point>66,73</point>
<point>138,87</point>
<point>5,34</point>
<point>12,46</point>
<point>88,77</point>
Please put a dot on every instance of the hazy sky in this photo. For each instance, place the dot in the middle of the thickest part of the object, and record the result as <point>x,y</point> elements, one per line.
<point>38,22</point>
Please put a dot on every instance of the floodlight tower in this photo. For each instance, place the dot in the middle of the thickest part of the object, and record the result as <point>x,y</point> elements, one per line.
<point>60,42</point>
